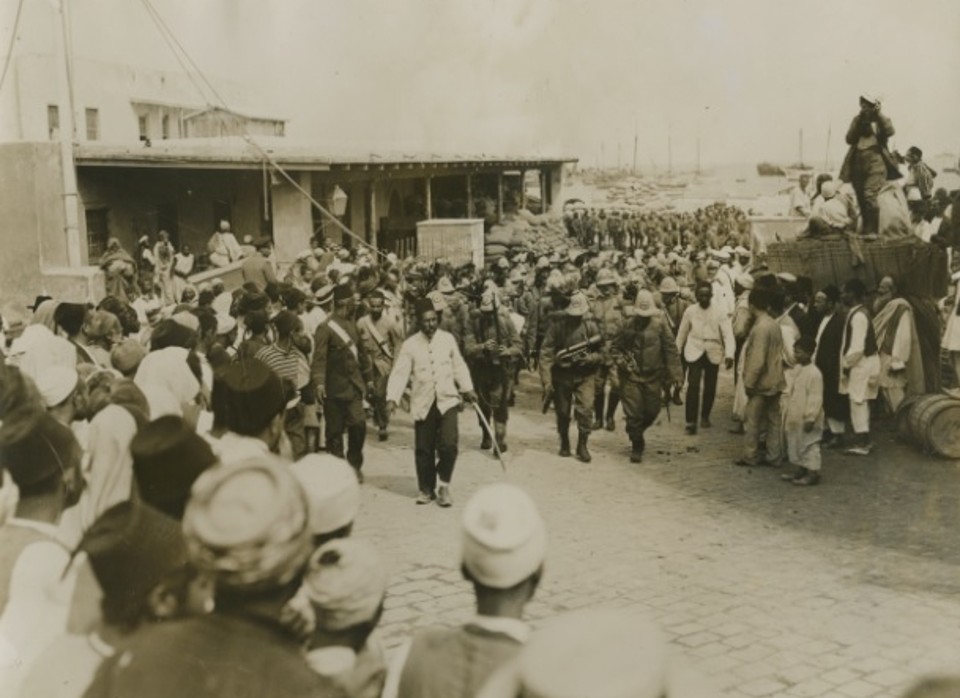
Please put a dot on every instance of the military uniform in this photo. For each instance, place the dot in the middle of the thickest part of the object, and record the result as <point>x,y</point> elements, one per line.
<point>381,340</point>
<point>493,371</point>
<point>648,361</point>
<point>608,312</point>
<point>341,368</point>
<point>572,382</point>
<point>455,319</point>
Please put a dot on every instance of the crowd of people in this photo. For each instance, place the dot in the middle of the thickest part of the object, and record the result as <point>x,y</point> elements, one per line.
<point>195,455</point>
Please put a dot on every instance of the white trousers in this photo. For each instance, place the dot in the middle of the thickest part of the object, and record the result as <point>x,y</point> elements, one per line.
<point>860,416</point>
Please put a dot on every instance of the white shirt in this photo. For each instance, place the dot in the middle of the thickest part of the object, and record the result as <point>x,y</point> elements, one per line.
<point>232,447</point>
<point>951,333</point>
<point>312,320</point>
<point>438,370</point>
<point>512,627</point>
<point>38,605</point>
<point>705,331</point>
<point>799,202</point>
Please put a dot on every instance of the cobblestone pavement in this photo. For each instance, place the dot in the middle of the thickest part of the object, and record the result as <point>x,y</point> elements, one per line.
<point>845,589</point>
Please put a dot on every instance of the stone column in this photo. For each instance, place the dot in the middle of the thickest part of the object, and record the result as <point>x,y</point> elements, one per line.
<point>428,205</point>
<point>555,185</point>
<point>499,197</point>
<point>470,196</point>
<point>523,189</point>
<point>373,220</point>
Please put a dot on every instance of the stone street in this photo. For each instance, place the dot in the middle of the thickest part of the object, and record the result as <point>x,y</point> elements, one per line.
<point>845,589</point>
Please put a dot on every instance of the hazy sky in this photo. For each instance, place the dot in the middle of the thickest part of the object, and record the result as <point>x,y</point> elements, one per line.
<point>562,76</point>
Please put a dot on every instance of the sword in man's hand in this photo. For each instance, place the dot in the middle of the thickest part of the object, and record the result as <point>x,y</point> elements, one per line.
<point>486,425</point>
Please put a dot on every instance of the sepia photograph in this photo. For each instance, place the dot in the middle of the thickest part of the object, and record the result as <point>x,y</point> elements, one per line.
<point>479,348</point>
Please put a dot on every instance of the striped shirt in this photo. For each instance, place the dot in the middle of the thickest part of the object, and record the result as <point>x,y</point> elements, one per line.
<point>289,365</point>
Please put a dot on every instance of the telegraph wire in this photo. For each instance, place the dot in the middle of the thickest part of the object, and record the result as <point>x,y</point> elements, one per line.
<point>13,40</point>
<point>177,49</point>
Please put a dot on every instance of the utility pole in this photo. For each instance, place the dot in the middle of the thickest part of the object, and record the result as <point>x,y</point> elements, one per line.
<point>68,136</point>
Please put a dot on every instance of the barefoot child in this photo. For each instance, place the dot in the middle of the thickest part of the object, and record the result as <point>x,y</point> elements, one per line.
<point>803,419</point>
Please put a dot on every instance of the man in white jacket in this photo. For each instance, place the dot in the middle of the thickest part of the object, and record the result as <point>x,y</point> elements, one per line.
<point>441,380</point>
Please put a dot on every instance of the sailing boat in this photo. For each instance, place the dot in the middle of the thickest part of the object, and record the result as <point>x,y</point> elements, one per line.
<point>796,169</point>
<point>671,182</point>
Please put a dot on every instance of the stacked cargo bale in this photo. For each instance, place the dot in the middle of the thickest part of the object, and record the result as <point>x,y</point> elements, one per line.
<point>541,234</point>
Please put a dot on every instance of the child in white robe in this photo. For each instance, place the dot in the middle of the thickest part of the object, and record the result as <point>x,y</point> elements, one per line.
<point>803,415</point>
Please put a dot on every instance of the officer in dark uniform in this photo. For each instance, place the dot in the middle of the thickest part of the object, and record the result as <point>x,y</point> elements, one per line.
<point>570,381</point>
<point>342,376</point>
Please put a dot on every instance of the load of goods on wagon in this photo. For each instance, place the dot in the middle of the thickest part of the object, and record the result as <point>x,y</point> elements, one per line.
<point>920,268</point>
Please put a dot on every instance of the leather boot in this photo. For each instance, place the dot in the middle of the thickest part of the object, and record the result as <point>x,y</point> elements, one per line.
<point>598,411</point>
<point>636,453</point>
<point>582,453</point>
<point>486,442</point>
<point>563,428</point>
<point>501,435</point>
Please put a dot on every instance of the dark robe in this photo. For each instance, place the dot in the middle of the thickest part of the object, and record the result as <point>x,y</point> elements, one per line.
<point>835,405</point>
<point>926,316</point>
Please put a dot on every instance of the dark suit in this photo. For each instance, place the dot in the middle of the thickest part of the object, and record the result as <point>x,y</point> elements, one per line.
<point>343,376</point>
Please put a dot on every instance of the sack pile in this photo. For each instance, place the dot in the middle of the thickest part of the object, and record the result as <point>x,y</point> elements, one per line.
<point>542,234</point>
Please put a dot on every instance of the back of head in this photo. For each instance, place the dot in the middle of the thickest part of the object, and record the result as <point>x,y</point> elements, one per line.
<point>332,490</point>
<point>253,396</point>
<point>286,322</point>
<point>70,317</point>
<point>504,540</point>
<point>46,458</point>
<point>246,524</point>
<point>168,457</point>
<point>345,582</point>
<point>132,549</point>
<point>170,333</point>
<point>21,405</point>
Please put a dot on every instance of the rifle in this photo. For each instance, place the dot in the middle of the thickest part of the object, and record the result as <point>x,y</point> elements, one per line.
<point>577,350</point>
<point>496,326</point>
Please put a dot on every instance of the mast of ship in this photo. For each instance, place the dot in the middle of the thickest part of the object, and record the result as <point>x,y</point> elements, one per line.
<point>669,156</point>
<point>698,157</point>
<point>801,149</point>
<point>634,145</point>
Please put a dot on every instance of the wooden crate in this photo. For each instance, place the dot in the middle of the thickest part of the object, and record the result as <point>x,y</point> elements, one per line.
<point>919,268</point>
<point>459,240</point>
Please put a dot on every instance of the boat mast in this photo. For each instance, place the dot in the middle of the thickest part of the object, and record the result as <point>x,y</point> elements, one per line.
<point>669,156</point>
<point>698,157</point>
<point>801,148</point>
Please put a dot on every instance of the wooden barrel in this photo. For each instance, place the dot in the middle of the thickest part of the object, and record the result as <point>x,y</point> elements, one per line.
<point>942,428</point>
<point>903,416</point>
<point>919,415</point>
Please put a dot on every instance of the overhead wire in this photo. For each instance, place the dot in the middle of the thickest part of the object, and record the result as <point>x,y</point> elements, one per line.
<point>182,55</point>
<point>8,59</point>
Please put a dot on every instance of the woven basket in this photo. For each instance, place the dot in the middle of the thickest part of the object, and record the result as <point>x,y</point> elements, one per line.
<point>919,268</point>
